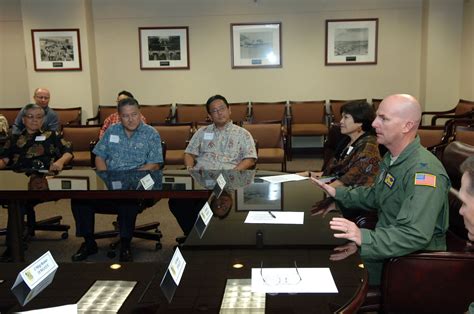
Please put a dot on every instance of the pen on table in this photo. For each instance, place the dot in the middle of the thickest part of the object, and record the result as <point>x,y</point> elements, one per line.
<point>271,214</point>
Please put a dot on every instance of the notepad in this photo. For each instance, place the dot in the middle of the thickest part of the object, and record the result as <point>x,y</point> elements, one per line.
<point>275,217</point>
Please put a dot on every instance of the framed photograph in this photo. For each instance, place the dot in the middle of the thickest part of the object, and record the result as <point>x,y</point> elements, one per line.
<point>256,45</point>
<point>56,49</point>
<point>164,48</point>
<point>351,41</point>
<point>261,195</point>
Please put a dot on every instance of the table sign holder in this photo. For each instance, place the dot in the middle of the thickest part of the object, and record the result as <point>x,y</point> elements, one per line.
<point>219,187</point>
<point>34,278</point>
<point>203,219</point>
<point>173,274</point>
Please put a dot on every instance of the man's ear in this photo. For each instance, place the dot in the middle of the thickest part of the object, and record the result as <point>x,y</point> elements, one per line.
<point>409,125</point>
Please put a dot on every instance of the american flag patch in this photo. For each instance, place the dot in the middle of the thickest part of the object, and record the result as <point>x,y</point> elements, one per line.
<point>425,179</point>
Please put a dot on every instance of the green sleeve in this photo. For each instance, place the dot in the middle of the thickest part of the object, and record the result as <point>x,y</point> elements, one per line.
<point>420,223</point>
<point>361,197</point>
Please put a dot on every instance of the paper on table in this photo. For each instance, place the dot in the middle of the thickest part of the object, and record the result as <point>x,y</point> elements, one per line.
<point>63,309</point>
<point>275,217</point>
<point>286,280</point>
<point>284,178</point>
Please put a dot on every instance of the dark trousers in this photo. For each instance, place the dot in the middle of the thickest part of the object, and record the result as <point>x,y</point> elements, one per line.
<point>84,215</point>
<point>186,211</point>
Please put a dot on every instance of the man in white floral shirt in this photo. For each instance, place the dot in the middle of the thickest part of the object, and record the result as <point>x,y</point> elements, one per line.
<point>221,145</point>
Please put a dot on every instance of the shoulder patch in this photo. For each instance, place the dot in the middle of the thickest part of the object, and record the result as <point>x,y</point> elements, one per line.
<point>425,179</point>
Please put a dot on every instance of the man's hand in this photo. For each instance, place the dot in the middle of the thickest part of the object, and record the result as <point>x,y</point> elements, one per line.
<point>349,230</point>
<point>323,207</point>
<point>56,166</point>
<point>325,187</point>
<point>343,251</point>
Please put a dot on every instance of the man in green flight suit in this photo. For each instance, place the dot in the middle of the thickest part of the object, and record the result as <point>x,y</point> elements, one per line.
<point>410,193</point>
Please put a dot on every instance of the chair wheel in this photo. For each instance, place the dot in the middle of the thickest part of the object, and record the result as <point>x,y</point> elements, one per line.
<point>111,254</point>
<point>64,235</point>
<point>158,246</point>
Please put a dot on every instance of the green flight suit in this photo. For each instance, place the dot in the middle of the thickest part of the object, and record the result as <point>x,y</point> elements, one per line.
<point>413,211</point>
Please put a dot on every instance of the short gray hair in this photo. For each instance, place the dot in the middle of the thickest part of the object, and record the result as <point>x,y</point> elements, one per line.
<point>29,107</point>
<point>468,167</point>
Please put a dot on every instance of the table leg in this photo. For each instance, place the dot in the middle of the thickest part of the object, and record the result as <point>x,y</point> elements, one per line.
<point>15,226</point>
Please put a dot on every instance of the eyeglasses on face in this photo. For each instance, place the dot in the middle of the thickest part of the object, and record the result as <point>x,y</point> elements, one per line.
<point>219,109</point>
<point>42,97</point>
<point>34,116</point>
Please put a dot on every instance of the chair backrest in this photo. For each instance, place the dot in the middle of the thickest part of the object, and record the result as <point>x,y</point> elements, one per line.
<point>268,135</point>
<point>430,137</point>
<point>464,134</point>
<point>105,111</point>
<point>436,282</point>
<point>69,116</point>
<point>268,111</point>
<point>239,111</point>
<point>175,135</point>
<point>10,114</point>
<point>156,113</point>
<point>335,108</point>
<point>81,136</point>
<point>464,106</point>
<point>186,113</point>
<point>308,112</point>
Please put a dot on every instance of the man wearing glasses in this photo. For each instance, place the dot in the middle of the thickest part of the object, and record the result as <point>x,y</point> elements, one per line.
<point>50,121</point>
<point>221,145</point>
<point>34,149</point>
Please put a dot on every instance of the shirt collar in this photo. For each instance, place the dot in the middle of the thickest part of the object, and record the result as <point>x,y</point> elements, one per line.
<point>408,151</point>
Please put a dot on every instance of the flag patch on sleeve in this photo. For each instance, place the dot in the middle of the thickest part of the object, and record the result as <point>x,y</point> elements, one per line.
<point>425,179</point>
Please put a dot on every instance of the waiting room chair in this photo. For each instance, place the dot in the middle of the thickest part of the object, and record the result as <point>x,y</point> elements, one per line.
<point>268,111</point>
<point>308,118</point>
<point>239,112</point>
<point>157,113</point>
<point>10,114</point>
<point>271,142</point>
<point>190,113</point>
<point>82,138</point>
<point>176,137</point>
<point>102,113</point>
<point>69,116</point>
<point>463,106</point>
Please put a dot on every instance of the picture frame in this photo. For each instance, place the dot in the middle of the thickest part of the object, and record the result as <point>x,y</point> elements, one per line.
<point>261,195</point>
<point>256,45</point>
<point>351,41</point>
<point>164,48</point>
<point>56,49</point>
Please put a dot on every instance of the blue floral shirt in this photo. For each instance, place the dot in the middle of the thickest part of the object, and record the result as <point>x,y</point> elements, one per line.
<point>123,153</point>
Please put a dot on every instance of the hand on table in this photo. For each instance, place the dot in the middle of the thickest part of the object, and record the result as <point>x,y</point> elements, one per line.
<point>349,230</point>
<point>325,187</point>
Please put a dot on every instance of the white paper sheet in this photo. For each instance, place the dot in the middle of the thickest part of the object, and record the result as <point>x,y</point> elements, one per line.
<point>275,217</point>
<point>286,280</point>
<point>64,309</point>
<point>284,178</point>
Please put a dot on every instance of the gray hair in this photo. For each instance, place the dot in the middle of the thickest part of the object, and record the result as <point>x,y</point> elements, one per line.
<point>468,167</point>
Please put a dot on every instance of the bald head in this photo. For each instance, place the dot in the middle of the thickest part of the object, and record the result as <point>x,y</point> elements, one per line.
<point>41,97</point>
<point>405,107</point>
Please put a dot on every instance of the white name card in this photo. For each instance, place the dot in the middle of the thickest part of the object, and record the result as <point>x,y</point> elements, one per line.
<point>206,213</point>
<point>147,182</point>
<point>177,265</point>
<point>221,181</point>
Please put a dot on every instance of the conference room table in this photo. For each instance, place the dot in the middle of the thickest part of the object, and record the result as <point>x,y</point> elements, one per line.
<point>218,256</point>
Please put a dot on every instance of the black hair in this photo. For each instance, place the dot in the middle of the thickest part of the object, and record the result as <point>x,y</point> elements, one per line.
<point>215,97</point>
<point>361,112</point>
<point>126,93</point>
<point>127,102</point>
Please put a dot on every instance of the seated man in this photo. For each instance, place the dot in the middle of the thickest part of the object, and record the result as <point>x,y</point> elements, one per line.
<point>34,149</point>
<point>50,120</point>
<point>129,145</point>
<point>466,195</point>
<point>221,145</point>
<point>410,194</point>
<point>114,117</point>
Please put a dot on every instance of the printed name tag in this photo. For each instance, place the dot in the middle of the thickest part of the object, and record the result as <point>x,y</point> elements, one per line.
<point>349,150</point>
<point>40,138</point>
<point>147,182</point>
<point>208,136</point>
<point>114,139</point>
<point>176,267</point>
<point>116,185</point>
<point>221,181</point>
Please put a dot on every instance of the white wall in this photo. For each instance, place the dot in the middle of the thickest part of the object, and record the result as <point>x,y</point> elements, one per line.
<point>411,57</point>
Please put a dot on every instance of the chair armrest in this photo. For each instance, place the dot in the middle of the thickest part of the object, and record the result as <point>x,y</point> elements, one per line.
<point>90,120</point>
<point>438,112</point>
<point>469,114</point>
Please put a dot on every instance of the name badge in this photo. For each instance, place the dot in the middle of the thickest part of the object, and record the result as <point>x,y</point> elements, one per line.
<point>208,136</point>
<point>114,138</point>
<point>40,138</point>
<point>116,185</point>
<point>147,182</point>
<point>349,150</point>
<point>389,180</point>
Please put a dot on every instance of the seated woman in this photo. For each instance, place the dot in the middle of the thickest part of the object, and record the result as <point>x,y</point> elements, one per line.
<point>33,150</point>
<point>356,159</point>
